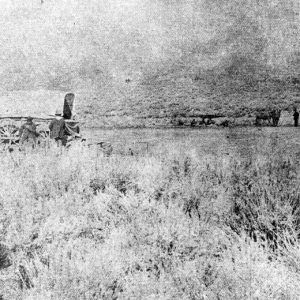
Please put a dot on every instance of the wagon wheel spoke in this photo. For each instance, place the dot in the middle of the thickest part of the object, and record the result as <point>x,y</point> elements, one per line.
<point>43,134</point>
<point>8,133</point>
<point>5,131</point>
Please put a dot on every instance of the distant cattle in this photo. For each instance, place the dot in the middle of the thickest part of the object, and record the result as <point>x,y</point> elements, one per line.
<point>180,123</point>
<point>223,122</point>
<point>193,123</point>
<point>209,121</point>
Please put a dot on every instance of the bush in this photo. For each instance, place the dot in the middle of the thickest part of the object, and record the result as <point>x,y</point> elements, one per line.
<point>265,200</point>
<point>82,226</point>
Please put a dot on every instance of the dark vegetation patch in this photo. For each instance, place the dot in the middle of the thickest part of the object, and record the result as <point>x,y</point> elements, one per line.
<point>120,181</point>
<point>265,200</point>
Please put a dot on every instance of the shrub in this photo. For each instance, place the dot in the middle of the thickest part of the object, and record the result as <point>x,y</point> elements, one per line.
<point>166,226</point>
<point>265,199</point>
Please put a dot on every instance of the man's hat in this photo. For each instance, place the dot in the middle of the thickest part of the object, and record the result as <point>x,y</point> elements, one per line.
<point>58,112</point>
<point>29,118</point>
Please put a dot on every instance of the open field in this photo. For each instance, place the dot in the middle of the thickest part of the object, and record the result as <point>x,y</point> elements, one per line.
<point>241,142</point>
<point>171,225</point>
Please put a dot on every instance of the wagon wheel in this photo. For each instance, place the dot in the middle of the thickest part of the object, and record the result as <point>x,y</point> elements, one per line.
<point>9,134</point>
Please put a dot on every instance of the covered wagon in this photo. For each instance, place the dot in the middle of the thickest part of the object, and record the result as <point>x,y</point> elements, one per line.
<point>11,123</point>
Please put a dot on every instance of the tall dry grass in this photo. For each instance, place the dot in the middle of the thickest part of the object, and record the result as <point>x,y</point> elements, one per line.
<point>80,225</point>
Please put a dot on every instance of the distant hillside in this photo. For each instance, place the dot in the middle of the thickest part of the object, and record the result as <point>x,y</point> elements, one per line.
<point>181,92</point>
<point>155,102</point>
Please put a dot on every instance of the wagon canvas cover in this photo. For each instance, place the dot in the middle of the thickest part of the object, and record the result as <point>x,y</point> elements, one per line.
<point>39,104</point>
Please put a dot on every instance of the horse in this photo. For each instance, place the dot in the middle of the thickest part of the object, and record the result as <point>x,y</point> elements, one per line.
<point>272,117</point>
<point>262,116</point>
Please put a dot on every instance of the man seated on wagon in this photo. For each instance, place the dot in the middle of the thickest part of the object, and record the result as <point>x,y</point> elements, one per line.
<point>58,130</point>
<point>28,132</point>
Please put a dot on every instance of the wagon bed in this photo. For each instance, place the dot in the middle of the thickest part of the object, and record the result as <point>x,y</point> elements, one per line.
<point>10,125</point>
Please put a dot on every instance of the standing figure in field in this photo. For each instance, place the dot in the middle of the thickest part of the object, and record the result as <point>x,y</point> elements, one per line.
<point>28,132</point>
<point>296,117</point>
<point>58,129</point>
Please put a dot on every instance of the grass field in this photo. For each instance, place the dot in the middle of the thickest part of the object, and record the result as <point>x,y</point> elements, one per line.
<point>79,225</point>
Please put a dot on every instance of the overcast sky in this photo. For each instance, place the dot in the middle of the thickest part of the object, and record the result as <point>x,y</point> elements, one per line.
<point>63,42</point>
